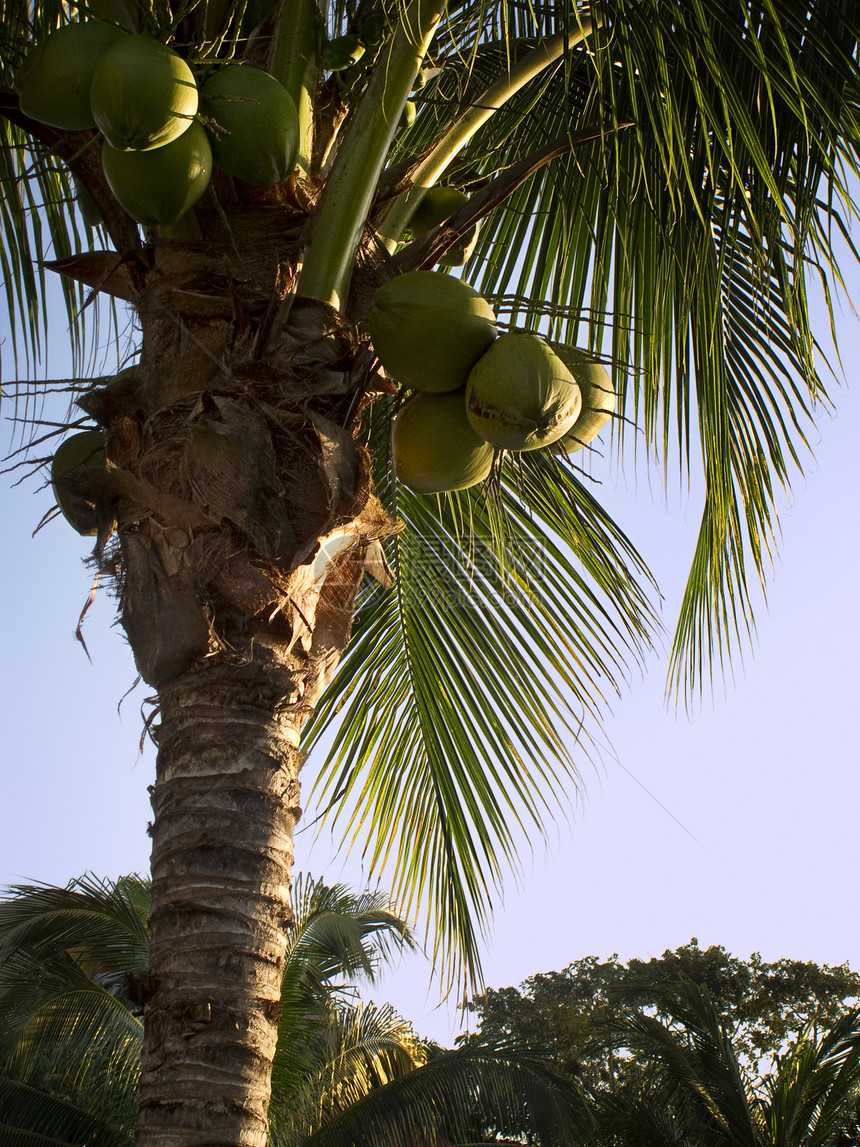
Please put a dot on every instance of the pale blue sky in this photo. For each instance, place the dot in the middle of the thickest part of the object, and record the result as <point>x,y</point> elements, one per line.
<point>754,849</point>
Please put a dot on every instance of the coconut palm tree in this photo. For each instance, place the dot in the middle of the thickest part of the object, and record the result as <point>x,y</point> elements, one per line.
<point>72,963</point>
<point>655,182</point>
<point>696,1089</point>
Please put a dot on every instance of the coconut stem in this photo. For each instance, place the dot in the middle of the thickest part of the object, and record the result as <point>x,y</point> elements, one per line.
<point>295,64</point>
<point>348,195</point>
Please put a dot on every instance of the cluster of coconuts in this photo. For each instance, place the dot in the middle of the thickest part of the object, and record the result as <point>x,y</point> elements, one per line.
<point>143,98</point>
<point>476,391</point>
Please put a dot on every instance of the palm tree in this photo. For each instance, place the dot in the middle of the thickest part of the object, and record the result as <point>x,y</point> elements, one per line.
<point>656,182</point>
<point>695,1089</point>
<point>72,964</point>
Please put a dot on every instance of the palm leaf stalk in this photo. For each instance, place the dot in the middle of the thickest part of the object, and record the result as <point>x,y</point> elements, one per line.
<point>684,168</point>
<point>430,170</point>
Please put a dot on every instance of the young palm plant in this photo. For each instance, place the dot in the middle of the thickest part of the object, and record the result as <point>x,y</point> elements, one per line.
<point>694,1088</point>
<point>72,966</point>
<point>654,182</point>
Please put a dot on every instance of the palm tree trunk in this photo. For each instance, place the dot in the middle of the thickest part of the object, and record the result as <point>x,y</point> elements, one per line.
<point>226,802</point>
<point>244,517</point>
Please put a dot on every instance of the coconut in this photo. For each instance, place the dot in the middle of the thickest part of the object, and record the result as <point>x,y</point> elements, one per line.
<point>53,83</point>
<point>157,187</point>
<point>84,449</point>
<point>255,133</point>
<point>437,205</point>
<point>341,53</point>
<point>429,330</point>
<point>143,94</point>
<point>598,399</point>
<point>373,28</point>
<point>435,449</point>
<point>520,395</point>
<point>458,253</point>
<point>89,209</point>
<point>434,208</point>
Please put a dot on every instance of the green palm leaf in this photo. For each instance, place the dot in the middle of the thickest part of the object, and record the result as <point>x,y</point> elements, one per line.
<point>697,1090</point>
<point>814,1090</point>
<point>337,936</point>
<point>34,1117</point>
<point>69,1036</point>
<point>514,619</point>
<point>458,1094</point>
<point>354,1049</point>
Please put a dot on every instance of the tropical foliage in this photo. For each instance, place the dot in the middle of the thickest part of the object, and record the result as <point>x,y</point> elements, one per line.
<point>72,967</point>
<point>760,1004</point>
<point>697,1090</point>
<point>659,183</point>
<point>679,246</point>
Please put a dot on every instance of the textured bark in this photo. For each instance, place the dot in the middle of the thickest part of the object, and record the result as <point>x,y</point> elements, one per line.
<point>226,802</point>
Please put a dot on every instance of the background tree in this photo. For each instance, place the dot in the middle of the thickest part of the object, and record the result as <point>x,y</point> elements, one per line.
<point>673,232</point>
<point>760,1005</point>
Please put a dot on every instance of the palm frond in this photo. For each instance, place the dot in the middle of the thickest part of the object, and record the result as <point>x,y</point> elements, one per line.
<point>337,935</point>
<point>682,248</point>
<point>103,922</point>
<point>815,1085</point>
<point>517,614</point>
<point>459,1095</point>
<point>337,932</point>
<point>697,1073</point>
<point>66,959</point>
<point>36,1117</point>
<point>354,1049</point>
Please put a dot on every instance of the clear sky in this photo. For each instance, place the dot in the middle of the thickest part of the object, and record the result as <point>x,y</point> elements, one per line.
<point>737,826</point>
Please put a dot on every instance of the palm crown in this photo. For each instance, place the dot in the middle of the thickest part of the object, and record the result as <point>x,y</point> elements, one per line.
<point>655,183</point>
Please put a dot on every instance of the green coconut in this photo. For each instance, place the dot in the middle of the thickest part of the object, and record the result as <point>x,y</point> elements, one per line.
<point>255,132</point>
<point>429,330</point>
<point>341,53</point>
<point>598,399</point>
<point>53,83</point>
<point>157,187</point>
<point>373,28</point>
<point>437,205</point>
<point>84,449</point>
<point>87,206</point>
<point>143,94</point>
<point>408,115</point>
<point>520,395</point>
<point>434,447</point>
